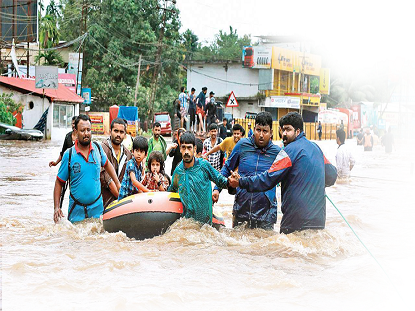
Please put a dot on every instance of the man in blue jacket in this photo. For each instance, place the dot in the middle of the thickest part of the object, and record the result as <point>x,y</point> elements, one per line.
<point>253,156</point>
<point>303,171</point>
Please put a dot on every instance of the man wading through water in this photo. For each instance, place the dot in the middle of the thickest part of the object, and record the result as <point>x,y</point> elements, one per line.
<point>118,156</point>
<point>81,165</point>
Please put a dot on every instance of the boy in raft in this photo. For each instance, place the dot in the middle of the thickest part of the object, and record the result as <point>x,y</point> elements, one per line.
<point>191,179</point>
<point>155,178</point>
<point>131,182</point>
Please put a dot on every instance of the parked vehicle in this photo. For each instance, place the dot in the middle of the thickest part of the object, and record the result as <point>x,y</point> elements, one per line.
<point>15,133</point>
<point>164,119</point>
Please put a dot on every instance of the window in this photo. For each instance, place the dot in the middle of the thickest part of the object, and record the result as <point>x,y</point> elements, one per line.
<point>31,105</point>
<point>62,116</point>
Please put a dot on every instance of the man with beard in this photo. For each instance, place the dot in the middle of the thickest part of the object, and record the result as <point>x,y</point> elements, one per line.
<point>118,156</point>
<point>303,171</point>
<point>253,155</point>
<point>81,165</point>
<point>191,179</point>
<point>157,142</point>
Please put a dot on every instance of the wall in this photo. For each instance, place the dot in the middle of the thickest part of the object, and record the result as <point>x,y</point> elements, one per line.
<point>30,116</point>
<point>239,112</point>
<point>221,88</point>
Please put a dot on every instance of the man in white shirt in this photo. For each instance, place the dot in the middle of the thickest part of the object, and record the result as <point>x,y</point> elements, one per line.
<point>344,158</point>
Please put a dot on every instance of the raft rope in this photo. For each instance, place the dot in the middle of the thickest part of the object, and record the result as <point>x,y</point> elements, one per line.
<point>384,271</point>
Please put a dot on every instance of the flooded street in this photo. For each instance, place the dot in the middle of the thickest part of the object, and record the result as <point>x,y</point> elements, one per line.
<point>79,267</point>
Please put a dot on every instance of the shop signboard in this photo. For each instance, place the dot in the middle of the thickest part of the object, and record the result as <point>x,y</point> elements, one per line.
<point>46,77</point>
<point>256,57</point>
<point>281,102</point>
<point>97,124</point>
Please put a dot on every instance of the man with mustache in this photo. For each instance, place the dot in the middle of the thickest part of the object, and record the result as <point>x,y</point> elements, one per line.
<point>303,171</point>
<point>81,165</point>
<point>253,155</point>
<point>118,156</point>
<point>157,142</point>
<point>191,179</point>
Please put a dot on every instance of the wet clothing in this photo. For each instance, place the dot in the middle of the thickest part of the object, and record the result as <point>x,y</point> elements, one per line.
<point>85,199</point>
<point>67,143</point>
<point>304,172</point>
<point>193,185</point>
<point>344,159</point>
<point>251,160</point>
<point>177,156</point>
<point>201,100</point>
<point>119,163</point>
<point>214,158</point>
<point>127,187</point>
<point>368,142</point>
<point>387,141</point>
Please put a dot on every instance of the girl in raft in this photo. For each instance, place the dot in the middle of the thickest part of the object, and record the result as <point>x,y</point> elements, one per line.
<point>155,178</point>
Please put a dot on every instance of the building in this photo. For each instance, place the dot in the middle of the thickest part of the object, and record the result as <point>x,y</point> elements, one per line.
<point>62,103</point>
<point>224,77</point>
<point>269,78</point>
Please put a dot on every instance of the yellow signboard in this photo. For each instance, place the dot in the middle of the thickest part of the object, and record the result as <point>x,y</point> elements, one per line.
<point>310,64</point>
<point>324,87</point>
<point>283,59</point>
<point>288,60</point>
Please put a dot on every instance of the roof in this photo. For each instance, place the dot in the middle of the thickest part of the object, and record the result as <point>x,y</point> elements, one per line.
<point>61,94</point>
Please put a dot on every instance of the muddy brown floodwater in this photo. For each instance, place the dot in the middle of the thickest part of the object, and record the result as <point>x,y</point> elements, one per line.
<point>81,267</point>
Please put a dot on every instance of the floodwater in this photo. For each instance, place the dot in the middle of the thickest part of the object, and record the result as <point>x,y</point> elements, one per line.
<point>81,267</point>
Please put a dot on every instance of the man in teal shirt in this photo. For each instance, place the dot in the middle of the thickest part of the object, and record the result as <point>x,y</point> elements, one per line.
<point>191,179</point>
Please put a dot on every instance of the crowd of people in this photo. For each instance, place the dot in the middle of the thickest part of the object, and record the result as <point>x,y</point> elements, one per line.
<point>249,167</point>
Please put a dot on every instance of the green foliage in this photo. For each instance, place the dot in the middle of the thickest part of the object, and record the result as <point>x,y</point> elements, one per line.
<point>227,46</point>
<point>7,107</point>
<point>50,58</point>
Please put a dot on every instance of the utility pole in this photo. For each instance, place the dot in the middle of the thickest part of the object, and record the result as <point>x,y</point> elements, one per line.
<point>138,82</point>
<point>158,56</point>
<point>79,71</point>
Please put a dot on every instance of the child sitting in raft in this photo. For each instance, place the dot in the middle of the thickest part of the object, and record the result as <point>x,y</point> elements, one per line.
<point>155,178</point>
<point>131,182</point>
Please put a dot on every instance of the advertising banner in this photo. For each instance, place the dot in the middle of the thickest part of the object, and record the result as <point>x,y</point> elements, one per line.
<point>283,59</point>
<point>281,102</point>
<point>86,95</point>
<point>73,63</point>
<point>324,87</point>
<point>46,77</point>
<point>256,57</point>
<point>97,124</point>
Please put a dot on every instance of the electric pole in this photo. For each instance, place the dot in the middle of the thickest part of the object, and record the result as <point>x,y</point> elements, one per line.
<point>138,82</point>
<point>158,56</point>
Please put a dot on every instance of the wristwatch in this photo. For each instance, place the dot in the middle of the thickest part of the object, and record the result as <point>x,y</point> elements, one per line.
<point>159,183</point>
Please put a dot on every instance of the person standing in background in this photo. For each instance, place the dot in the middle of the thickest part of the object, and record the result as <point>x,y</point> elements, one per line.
<point>344,158</point>
<point>192,110</point>
<point>183,107</point>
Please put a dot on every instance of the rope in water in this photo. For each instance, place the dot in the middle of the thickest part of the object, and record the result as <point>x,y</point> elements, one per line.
<point>384,271</point>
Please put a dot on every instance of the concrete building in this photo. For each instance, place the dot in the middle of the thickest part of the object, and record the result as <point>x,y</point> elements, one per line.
<point>63,104</point>
<point>224,77</point>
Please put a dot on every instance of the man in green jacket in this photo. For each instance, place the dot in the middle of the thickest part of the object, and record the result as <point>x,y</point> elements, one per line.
<point>157,142</point>
<point>191,179</point>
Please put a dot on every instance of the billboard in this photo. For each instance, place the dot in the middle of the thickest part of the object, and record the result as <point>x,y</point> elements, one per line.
<point>75,59</point>
<point>257,57</point>
<point>46,77</point>
<point>324,87</point>
<point>18,20</point>
<point>281,102</point>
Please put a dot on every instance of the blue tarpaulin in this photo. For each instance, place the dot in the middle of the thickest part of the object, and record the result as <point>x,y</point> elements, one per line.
<point>128,113</point>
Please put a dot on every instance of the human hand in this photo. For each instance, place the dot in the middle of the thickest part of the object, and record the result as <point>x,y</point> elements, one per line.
<point>215,196</point>
<point>234,179</point>
<point>52,163</point>
<point>174,146</point>
<point>204,156</point>
<point>57,214</point>
<point>156,176</point>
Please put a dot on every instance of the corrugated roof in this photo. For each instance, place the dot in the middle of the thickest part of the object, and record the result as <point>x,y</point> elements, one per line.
<point>61,94</point>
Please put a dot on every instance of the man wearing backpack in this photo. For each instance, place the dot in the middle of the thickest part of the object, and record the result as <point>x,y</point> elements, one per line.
<point>81,165</point>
